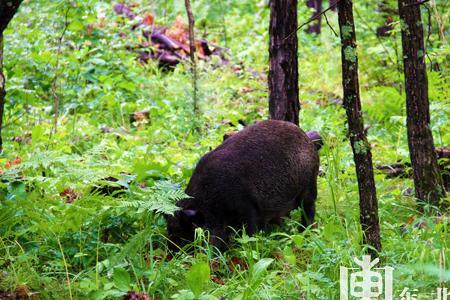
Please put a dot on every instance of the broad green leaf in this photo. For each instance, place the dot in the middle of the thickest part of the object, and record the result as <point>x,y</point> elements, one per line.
<point>197,276</point>
<point>298,240</point>
<point>260,267</point>
<point>37,133</point>
<point>121,279</point>
<point>289,255</point>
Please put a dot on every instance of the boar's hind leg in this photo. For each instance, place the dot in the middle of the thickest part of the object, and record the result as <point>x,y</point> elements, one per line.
<point>307,201</point>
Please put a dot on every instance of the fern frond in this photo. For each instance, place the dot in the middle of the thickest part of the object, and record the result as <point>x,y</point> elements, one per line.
<point>161,198</point>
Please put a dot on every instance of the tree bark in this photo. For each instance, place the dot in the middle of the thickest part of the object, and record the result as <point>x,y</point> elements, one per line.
<point>317,6</point>
<point>7,11</point>
<point>283,66</point>
<point>2,91</point>
<point>427,178</point>
<point>361,148</point>
<point>333,4</point>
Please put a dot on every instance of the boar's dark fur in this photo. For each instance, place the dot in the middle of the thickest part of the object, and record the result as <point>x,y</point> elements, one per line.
<point>254,178</point>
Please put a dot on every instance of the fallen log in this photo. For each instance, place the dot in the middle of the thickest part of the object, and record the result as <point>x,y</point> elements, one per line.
<point>403,170</point>
<point>167,45</point>
<point>164,41</point>
<point>166,58</point>
<point>443,152</point>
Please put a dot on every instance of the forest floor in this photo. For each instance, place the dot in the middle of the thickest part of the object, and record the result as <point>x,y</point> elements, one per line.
<point>81,204</point>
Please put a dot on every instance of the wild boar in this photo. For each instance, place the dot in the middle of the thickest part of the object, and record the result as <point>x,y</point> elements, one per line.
<point>313,135</point>
<point>254,178</point>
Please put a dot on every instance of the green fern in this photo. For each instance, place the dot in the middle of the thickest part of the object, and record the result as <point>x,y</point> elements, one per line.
<point>7,219</point>
<point>161,198</point>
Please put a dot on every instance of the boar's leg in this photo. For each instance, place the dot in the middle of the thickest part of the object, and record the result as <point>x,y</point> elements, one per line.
<point>252,221</point>
<point>219,237</point>
<point>308,213</point>
<point>307,201</point>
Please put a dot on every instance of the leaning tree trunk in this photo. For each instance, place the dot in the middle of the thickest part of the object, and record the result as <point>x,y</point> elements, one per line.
<point>360,146</point>
<point>427,179</point>
<point>283,66</point>
<point>8,9</point>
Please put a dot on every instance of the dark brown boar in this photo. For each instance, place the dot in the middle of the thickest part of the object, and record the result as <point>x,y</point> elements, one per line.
<point>254,178</point>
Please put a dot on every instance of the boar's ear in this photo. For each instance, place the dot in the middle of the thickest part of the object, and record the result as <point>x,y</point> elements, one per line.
<point>315,138</point>
<point>193,216</point>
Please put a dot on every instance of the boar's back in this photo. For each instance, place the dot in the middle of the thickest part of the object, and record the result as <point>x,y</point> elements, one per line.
<point>266,165</point>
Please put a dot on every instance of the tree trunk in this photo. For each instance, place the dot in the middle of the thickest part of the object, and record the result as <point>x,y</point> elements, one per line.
<point>191,22</point>
<point>316,25</point>
<point>360,146</point>
<point>283,66</point>
<point>7,11</point>
<point>384,9</point>
<point>2,91</point>
<point>427,179</point>
<point>333,4</point>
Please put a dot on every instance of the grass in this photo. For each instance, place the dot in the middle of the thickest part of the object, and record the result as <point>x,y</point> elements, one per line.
<point>60,238</point>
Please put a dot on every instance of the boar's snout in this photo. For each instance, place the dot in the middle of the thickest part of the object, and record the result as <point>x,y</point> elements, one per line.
<point>181,227</point>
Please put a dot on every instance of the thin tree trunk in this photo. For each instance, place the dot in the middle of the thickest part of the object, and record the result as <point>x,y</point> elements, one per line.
<point>191,22</point>
<point>2,91</point>
<point>56,98</point>
<point>427,179</point>
<point>384,9</point>
<point>283,66</point>
<point>333,4</point>
<point>7,11</point>
<point>317,6</point>
<point>360,146</point>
